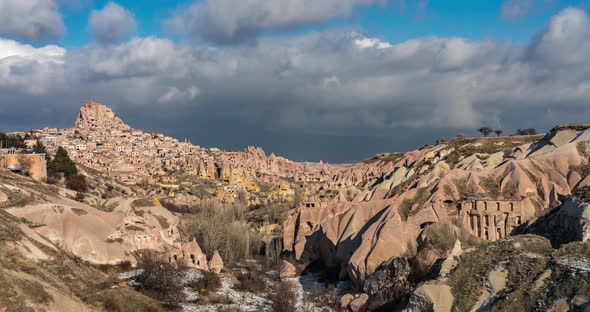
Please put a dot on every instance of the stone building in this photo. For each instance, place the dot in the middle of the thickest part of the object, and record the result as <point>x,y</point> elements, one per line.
<point>494,219</point>
<point>33,165</point>
<point>190,255</point>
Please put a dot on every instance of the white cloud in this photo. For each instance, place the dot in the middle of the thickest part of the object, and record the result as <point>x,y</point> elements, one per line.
<point>139,57</point>
<point>565,41</point>
<point>371,43</point>
<point>112,24</point>
<point>230,21</point>
<point>33,70</point>
<point>332,81</point>
<point>31,20</point>
<point>174,95</point>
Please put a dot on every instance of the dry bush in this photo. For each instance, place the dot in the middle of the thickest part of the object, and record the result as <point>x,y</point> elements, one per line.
<point>142,202</point>
<point>161,279</point>
<point>251,282</point>
<point>34,291</point>
<point>464,189</point>
<point>442,236</point>
<point>582,147</point>
<point>492,186</point>
<point>283,298</point>
<point>76,182</point>
<point>179,208</point>
<point>223,228</point>
<point>209,282</point>
<point>582,170</point>
<point>124,300</point>
<point>405,208</point>
<point>79,212</point>
<point>163,221</point>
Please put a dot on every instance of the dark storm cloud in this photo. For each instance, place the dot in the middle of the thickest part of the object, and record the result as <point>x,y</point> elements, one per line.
<point>333,95</point>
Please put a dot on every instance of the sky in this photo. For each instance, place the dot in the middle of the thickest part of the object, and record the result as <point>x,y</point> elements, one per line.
<point>331,80</point>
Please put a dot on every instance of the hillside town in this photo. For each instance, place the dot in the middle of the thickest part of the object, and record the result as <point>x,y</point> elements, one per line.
<point>100,140</point>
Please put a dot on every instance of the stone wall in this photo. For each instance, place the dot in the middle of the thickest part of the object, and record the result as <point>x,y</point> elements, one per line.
<point>34,165</point>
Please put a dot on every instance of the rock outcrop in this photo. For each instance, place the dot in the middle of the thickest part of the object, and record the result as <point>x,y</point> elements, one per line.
<point>354,303</point>
<point>390,282</point>
<point>216,263</point>
<point>287,269</point>
<point>431,297</point>
<point>95,115</point>
<point>513,179</point>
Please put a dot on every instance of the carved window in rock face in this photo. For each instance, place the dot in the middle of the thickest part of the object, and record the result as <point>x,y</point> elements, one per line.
<point>193,258</point>
<point>485,205</point>
<point>486,234</point>
<point>518,220</point>
<point>498,233</point>
<point>498,205</point>
<point>487,218</point>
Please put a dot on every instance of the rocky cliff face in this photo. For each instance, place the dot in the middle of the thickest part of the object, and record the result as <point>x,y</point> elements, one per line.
<point>401,198</point>
<point>94,233</point>
<point>95,115</point>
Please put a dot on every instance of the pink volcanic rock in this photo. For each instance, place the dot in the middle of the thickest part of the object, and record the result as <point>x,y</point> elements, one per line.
<point>216,263</point>
<point>537,174</point>
<point>102,237</point>
<point>95,115</point>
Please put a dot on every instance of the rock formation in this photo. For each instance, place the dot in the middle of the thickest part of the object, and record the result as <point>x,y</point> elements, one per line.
<point>95,115</point>
<point>287,269</point>
<point>216,263</point>
<point>512,179</point>
<point>354,303</point>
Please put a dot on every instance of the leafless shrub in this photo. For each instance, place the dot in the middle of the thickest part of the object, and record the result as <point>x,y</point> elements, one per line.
<point>209,282</point>
<point>251,282</point>
<point>223,228</point>
<point>160,278</point>
<point>283,298</point>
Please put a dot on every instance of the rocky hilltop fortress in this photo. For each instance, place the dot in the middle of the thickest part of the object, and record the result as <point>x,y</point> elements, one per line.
<point>462,225</point>
<point>102,141</point>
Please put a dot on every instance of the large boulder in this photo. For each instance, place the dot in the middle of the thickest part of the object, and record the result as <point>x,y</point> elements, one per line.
<point>431,297</point>
<point>390,281</point>
<point>287,270</point>
<point>354,303</point>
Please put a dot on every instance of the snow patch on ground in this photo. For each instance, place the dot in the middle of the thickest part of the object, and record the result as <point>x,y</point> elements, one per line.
<point>243,301</point>
<point>575,263</point>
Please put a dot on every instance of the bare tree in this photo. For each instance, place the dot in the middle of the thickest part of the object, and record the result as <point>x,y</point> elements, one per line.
<point>485,131</point>
<point>162,278</point>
